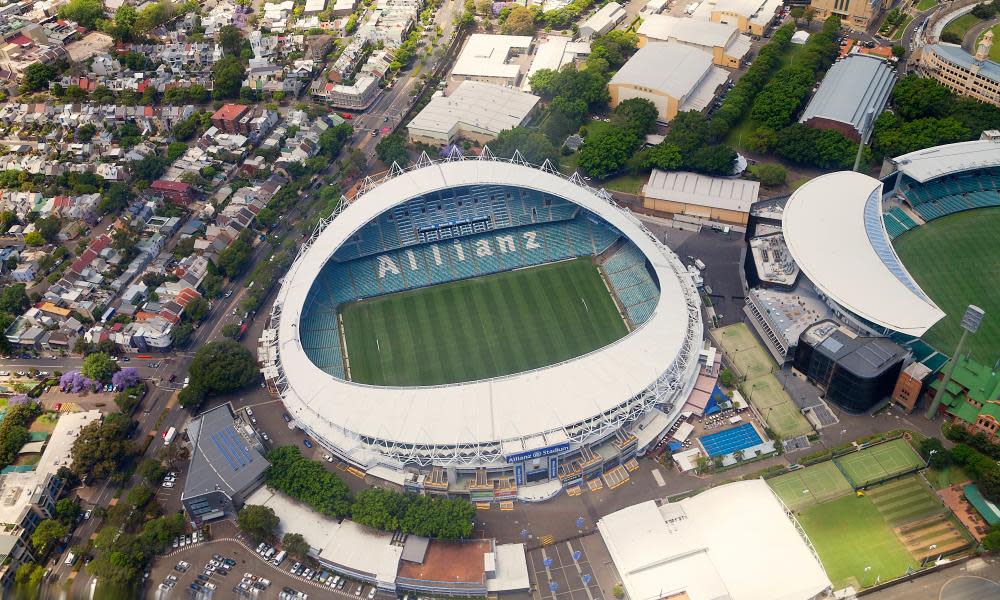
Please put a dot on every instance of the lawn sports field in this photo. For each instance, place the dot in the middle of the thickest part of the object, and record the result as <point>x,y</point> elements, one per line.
<point>761,387</point>
<point>810,486</point>
<point>479,328</point>
<point>956,261</point>
<point>854,543</point>
<point>879,462</point>
<point>905,500</point>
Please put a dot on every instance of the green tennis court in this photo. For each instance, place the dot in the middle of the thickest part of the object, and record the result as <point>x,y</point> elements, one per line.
<point>905,500</point>
<point>810,486</point>
<point>879,462</point>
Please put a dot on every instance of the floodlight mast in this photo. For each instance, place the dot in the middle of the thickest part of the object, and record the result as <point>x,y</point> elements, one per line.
<point>971,321</point>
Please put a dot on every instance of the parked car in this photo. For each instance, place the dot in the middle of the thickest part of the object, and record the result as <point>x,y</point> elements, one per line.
<point>307,443</point>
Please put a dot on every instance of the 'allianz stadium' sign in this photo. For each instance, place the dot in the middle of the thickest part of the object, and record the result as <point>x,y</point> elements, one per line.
<point>539,453</point>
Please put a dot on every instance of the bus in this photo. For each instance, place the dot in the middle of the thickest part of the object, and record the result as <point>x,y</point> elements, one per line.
<point>144,356</point>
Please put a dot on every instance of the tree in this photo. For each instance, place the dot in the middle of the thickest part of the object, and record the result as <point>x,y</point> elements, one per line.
<point>770,174</point>
<point>664,156</point>
<point>139,496</point>
<point>175,150</point>
<point>617,591</point>
<point>613,48</point>
<point>49,227</point>
<point>235,257</point>
<point>222,367</point>
<point>37,77</point>
<point>898,51</point>
<point>13,299</point>
<point>99,367</point>
<point>532,144</point>
<point>102,447</point>
<point>332,140</point>
<point>392,149</point>
<point>308,481</point>
<point>916,97</point>
<point>34,239</point>
<point>295,545</point>
<point>196,309</point>
<point>84,12</point>
<point>605,153</point>
<point>115,198</point>
<point>227,78</point>
<point>258,522</point>
<point>638,115</point>
<point>47,533</point>
<point>180,334</point>
<point>231,40</point>
<point>67,510</point>
<point>231,331</point>
<point>150,470</point>
<point>520,21</point>
<point>86,132</point>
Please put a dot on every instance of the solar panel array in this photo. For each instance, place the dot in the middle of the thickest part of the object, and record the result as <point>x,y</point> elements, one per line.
<point>232,448</point>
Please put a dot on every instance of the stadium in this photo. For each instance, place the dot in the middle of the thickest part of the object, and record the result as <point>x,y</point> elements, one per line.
<point>477,324</point>
<point>903,256</point>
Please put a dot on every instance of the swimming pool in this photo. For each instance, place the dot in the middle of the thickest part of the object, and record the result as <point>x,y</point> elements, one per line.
<point>730,440</point>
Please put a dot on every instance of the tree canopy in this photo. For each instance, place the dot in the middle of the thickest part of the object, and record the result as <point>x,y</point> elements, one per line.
<point>218,368</point>
<point>99,367</point>
<point>227,78</point>
<point>258,522</point>
<point>84,12</point>
<point>102,447</point>
<point>14,299</point>
<point>520,21</point>
<point>308,481</point>
<point>392,149</point>
<point>533,145</point>
<point>605,152</point>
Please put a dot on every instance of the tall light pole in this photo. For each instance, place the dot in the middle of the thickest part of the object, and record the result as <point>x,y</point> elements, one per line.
<point>866,130</point>
<point>970,323</point>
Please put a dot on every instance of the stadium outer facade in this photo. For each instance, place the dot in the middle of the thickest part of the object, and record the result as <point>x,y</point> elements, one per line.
<point>482,438</point>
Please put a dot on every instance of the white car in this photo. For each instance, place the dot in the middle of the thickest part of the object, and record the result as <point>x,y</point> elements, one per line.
<point>168,484</point>
<point>371,594</point>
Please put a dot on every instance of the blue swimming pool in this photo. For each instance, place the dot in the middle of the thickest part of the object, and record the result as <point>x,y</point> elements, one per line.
<point>730,440</point>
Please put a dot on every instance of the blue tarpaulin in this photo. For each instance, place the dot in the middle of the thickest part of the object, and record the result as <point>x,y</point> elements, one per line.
<point>674,446</point>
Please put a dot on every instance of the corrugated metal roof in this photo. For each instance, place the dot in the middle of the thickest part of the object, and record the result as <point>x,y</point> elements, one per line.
<point>852,87</point>
<point>668,67</point>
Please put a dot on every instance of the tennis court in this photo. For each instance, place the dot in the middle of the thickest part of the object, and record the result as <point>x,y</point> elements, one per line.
<point>879,462</point>
<point>762,388</point>
<point>810,486</point>
<point>730,440</point>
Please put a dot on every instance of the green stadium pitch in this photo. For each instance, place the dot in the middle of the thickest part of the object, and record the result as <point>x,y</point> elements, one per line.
<point>955,260</point>
<point>480,328</point>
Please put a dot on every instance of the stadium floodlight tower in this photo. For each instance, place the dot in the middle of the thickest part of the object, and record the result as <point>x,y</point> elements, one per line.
<point>971,321</point>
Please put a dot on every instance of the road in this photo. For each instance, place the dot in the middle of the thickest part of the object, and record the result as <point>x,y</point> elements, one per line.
<point>969,41</point>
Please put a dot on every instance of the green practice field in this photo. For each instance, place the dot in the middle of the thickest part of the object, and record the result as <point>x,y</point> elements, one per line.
<point>850,535</point>
<point>761,387</point>
<point>810,486</point>
<point>479,328</point>
<point>955,260</point>
<point>878,462</point>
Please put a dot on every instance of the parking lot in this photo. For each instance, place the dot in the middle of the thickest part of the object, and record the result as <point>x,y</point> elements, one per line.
<point>563,571</point>
<point>246,561</point>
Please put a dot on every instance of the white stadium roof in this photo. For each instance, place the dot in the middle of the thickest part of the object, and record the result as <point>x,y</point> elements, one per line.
<point>833,227</point>
<point>734,541</point>
<point>930,163</point>
<point>520,412</point>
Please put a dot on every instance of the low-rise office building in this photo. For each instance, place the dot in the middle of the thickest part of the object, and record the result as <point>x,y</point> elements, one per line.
<point>491,59</point>
<point>976,76</point>
<point>723,41</point>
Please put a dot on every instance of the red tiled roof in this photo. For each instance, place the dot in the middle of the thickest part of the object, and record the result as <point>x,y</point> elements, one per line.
<point>229,112</point>
<point>173,186</point>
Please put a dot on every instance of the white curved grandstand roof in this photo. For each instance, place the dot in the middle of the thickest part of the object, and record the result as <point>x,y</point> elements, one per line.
<point>931,163</point>
<point>521,412</point>
<point>833,227</point>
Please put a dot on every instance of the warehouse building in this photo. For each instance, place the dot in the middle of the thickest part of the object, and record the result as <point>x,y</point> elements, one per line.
<point>554,52</point>
<point>475,111</point>
<point>723,41</point>
<point>674,77</point>
<point>491,59</point>
<point>602,21</point>
<point>719,199</point>
<point>749,16</point>
<point>853,93</point>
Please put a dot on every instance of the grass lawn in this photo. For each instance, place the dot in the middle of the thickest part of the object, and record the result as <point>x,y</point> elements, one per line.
<point>956,262</point>
<point>950,475</point>
<point>849,535</point>
<point>810,486</point>
<point>898,33</point>
<point>961,25</point>
<point>629,184</point>
<point>483,327</point>
<point>925,4</point>
<point>879,462</point>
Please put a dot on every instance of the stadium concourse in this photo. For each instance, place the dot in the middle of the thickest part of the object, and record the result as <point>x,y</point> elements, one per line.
<point>466,391</point>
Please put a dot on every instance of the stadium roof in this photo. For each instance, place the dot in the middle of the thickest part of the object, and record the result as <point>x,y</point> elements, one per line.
<point>833,228</point>
<point>483,106</point>
<point>222,459</point>
<point>853,87</point>
<point>486,55</point>
<point>524,411</point>
<point>691,188</point>
<point>734,541</point>
<point>931,163</point>
<point>668,67</point>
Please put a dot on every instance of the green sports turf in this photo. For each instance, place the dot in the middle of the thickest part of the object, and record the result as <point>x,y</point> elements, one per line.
<point>482,327</point>
<point>956,262</point>
<point>850,534</point>
<point>811,485</point>
<point>905,500</point>
<point>878,462</point>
